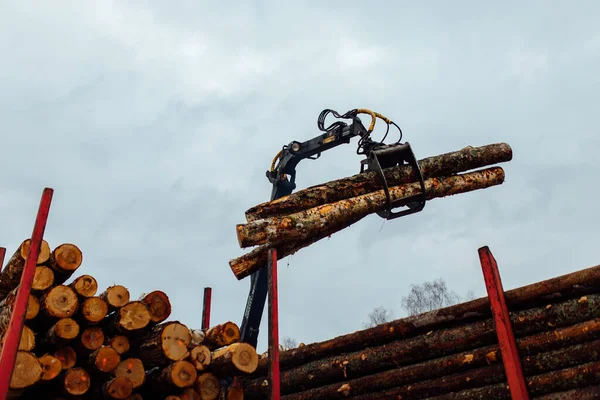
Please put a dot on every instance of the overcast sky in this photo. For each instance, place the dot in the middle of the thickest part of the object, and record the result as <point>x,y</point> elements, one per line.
<point>155,123</point>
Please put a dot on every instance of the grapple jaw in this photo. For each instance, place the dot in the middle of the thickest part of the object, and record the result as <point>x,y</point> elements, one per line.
<point>381,156</point>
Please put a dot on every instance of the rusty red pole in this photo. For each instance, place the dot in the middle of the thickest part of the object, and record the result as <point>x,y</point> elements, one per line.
<point>206,308</point>
<point>2,254</point>
<point>8,354</point>
<point>506,337</point>
<point>274,375</point>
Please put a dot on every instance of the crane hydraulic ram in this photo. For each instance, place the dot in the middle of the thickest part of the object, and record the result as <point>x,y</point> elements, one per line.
<point>282,175</point>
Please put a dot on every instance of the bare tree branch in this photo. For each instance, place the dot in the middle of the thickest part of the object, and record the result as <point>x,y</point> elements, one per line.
<point>378,316</point>
<point>430,296</point>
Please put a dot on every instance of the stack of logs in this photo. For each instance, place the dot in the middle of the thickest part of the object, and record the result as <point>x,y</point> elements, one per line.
<point>80,342</point>
<point>453,353</point>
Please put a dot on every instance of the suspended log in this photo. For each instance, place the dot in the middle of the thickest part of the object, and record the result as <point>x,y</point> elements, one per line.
<point>105,359</point>
<point>43,279</point>
<point>116,296</point>
<point>27,371</point>
<point>208,385</point>
<point>85,286</point>
<point>51,367</point>
<point>65,260</point>
<point>441,165</point>
<point>10,276</point>
<point>221,335</point>
<point>468,360</point>
<point>165,343</point>
<point>293,232</point>
<point>93,310</point>
<point>553,290</point>
<point>200,357</point>
<point>67,357</point>
<point>435,344</point>
<point>132,368</point>
<point>234,360</point>
<point>158,305</point>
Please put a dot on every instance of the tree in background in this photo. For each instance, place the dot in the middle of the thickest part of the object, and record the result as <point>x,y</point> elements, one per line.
<point>378,316</point>
<point>430,296</point>
<point>289,343</point>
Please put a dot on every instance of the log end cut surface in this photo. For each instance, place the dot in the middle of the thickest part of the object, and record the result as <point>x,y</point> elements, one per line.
<point>51,367</point>
<point>120,387</point>
<point>85,286</point>
<point>120,343</point>
<point>94,309</point>
<point>222,335</point>
<point>132,368</point>
<point>43,278</point>
<point>181,374</point>
<point>241,355</point>
<point>116,296</point>
<point>65,328</point>
<point>133,316</point>
<point>27,372</point>
<point>200,356</point>
<point>175,339</point>
<point>76,381</point>
<point>60,302</point>
<point>105,359</point>
<point>208,385</point>
<point>67,357</point>
<point>33,307</point>
<point>44,251</point>
<point>92,338</point>
<point>68,257</point>
<point>158,305</point>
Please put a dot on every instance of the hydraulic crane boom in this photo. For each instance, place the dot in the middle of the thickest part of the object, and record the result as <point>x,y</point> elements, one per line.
<point>283,177</point>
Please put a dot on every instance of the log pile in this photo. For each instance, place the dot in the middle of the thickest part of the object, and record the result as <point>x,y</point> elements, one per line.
<point>453,353</point>
<point>296,221</point>
<point>80,341</point>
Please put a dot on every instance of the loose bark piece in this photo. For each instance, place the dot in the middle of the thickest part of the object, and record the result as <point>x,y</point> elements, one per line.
<point>116,296</point>
<point>235,359</point>
<point>7,304</point>
<point>92,338</point>
<point>43,279</point>
<point>105,359</point>
<point>132,317</point>
<point>62,332</point>
<point>158,305</point>
<point>177,375</point>
<point>221,335</point>
<point>76,381</point>
<point>208,385</point>
<point>200,357</point>
<point>65,260</point>
<point>292,233</point>
<point>165,343</point>
<point>67,357</point>
<point>197,336</point>
<point>10,276</point>
<point>85,286</point>
<point>27,371</point>
<point>436,344</point>
<point>132,368</point>
<point>93,310</point>
<point>120,387</point>
<point>51,367</point>
<point>313,221</point>
<point>59,302</point>
<point>445,164</point>
<point>550,291</point>
<point>120,343</point>
<point>558,341</point>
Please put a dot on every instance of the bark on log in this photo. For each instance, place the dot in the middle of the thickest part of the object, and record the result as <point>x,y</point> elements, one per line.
<point>165,343</point>
<point>441,165</point>
<point>120,343</point>
<point>117,388</point>
<point>116,296</point>
<point>67,357</point>
<point>132,368</point>
<point>61,333</point>
<point>587,393</point>
<point>65,260</point>
<point>10,276</point>
<point>76,381</point>
<point>105,359</point>
<point>292,233</point>
<point>208,385</point>
<point>555,381</point>
<point>234,360</point>
<point>313,221</point>
<point>561,288</point>
<point>43,279</point>
<point>59,302</point>
<point>200,357</point>
<point>221,335</point>
<point>27,340</point>
<point>27,372</point>
<point>92,310</point>
<point>85,286</point>
<point>158,305</point>
<point>176,376</point>
<point>190,394</point>
<point>51,367</point>
<point>468,360</point>
<point>6,306</point>
<point>436,344</point>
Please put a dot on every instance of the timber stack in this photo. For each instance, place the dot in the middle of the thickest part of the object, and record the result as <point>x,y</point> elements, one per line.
<point>452,353</point>
<point>82,342</point>
<point>300,219</point>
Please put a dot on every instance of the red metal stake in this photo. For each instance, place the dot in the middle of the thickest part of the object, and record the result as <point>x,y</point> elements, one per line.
<point>274,376</point>
<point>206,308</point>
<point>2,254</point>
<point>8,354</point>
<point>506,337</point>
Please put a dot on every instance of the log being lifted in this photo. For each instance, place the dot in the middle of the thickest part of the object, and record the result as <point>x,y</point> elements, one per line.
<point>291,233</point>
<point>441,165</point>
<point>553,290</point>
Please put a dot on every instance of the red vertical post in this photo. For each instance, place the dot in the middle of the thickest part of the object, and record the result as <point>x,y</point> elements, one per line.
<point>274,376</point>
<point>506,337</point>
<point>8,354</point>
<point>206,308</point>
<point>2,254</point>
